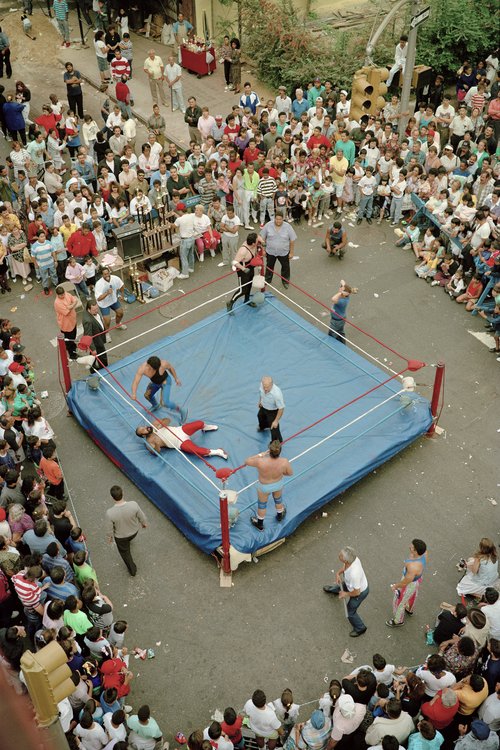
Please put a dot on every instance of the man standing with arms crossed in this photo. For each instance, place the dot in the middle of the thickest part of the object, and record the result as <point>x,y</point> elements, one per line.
<point>272,470</point>
<point>351,584</point>
<point>279,238</point>
<point>123,522</point>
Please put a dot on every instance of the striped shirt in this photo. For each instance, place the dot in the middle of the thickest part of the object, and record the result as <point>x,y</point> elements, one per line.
<point>62,590</point>
<point>267,187</point>
<point>42,253</point>
<point>120,68</point>
<point>27,591</point>
<point>60,8</point>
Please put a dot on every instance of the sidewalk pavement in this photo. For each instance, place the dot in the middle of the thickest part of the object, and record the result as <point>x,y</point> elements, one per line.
<point>209,90</point>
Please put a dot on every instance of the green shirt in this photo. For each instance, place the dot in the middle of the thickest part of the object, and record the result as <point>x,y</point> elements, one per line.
<point>151,730</point>
<point>84,573</point>
<point>250,183</point>
<point>78,621</point>
<point>348,149</point>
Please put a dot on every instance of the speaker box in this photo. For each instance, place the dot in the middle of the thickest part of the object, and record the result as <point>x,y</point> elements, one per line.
<point>128,241</point>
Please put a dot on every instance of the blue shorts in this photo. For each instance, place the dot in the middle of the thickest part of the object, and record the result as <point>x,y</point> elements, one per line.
<point>272,487</point>
<point>107,310</point>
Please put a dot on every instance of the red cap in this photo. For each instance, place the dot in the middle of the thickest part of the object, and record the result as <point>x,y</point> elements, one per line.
<point>16,367</point>
<point>180,207</point>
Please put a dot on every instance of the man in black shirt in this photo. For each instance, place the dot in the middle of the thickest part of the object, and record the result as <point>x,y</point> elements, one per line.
<point>449,623</point>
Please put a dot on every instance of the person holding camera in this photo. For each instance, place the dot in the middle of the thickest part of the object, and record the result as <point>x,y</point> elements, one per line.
<point>481,570</point>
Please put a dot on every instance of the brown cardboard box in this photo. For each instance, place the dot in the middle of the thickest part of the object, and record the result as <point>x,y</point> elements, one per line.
<point>175,263</point>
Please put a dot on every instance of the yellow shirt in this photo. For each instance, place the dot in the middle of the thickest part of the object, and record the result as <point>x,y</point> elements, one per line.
<point>342,166</point>
<point>154,67</point>
<point>469,700</point>
<point>66,232</point>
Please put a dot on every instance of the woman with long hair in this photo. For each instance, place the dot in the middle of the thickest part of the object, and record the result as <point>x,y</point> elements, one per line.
<point>481,570</point>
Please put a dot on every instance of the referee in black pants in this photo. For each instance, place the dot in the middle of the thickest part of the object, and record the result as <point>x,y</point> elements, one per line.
<point>123,522</point>
<point>271,408</point>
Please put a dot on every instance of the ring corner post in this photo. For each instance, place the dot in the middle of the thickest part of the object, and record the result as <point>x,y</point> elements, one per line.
<point>63,359</point>
<point>225,570</point>
<point>436,394</point>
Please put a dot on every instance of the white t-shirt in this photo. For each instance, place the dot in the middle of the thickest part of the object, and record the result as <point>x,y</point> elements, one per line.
<point>221,744</point>
<point>383,676</point>
<point>201,224</point>
<point>119,733</point>
<point>481,232</point>
<point>6,362</point>
<point>434,684</point>
<point>354,576</point>
<point>367,185</point>
<point>100,47</point>
<point>263,721</point>
<point>279,709</point>
<point>185,225</point>
<point>492,612</point>
<point>234,222</point>
<point>93,738</point>
<point>111,286</point>
<point>40,428</point>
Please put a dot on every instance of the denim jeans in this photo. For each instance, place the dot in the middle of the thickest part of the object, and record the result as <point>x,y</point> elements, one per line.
<point>396,209</point>
<point>186,252</point>
<point>45,273</point>
<point>352,605</point>
<point>266,203</point>
<point>153,389</point>
<point>365,206</point>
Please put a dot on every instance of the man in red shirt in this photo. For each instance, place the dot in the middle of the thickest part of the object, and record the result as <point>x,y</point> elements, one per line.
<point>272,171</point>
<point>317,140</point>
<point>441,709</point>
<point>123,96</point>
<point>82,243</point>
<point>251,153</point>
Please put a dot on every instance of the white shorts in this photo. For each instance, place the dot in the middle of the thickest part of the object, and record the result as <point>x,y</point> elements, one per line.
<point>338,190</point>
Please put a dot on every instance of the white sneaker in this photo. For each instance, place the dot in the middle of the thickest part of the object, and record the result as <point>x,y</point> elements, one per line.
<point>201,258</point>
<point>212,253</point>
<point>339,210</point>
<point>122,327</point>
<point>191,270</point>
<point>309,223</point>
<point>219,452</point>
<point>248,226</point>
<point>220,265</point>
<point>209,428</point>
<point>128,709</point>
<point>108,339</point>
<point>183,276</point>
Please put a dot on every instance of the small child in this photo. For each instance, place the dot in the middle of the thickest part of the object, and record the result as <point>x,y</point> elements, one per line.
<point>428,267</point>
<point>281,200</point>
<point>377,702</point>
<point>315,195</point>
<point>214,735</point>
<point>328,700</point>
<point>456,284</point>
<point>89,271</point>
<point>77,541</point>
<point>231,726</point>
<point>287,711</point>
<point>382,198</point>
<point>83,571</point>
<point>324,204</point>
<point>34,450</point>
<point>97,644</point>
<point>117,632</point>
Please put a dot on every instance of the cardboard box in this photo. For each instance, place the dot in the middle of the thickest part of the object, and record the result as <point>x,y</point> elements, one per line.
<point>175,263</point>
<point>161,280</point>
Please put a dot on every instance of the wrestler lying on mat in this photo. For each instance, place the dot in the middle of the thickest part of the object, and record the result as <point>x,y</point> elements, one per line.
<point>162,435</point>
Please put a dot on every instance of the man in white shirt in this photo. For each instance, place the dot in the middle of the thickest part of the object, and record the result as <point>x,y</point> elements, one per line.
<point>399,58</point>
<point>434,675</point>
<point>262,720</point>
<point>229,225</point>
<point>283,102</point>
<point>108,291</point>
<point>351,584</point>
<point>367,185</point>
<point>154,69</point>
<point>489,711</point>
<point>492,611</point>
<point>398,723</point>
<point>173,73</point>
<point>185,226</point>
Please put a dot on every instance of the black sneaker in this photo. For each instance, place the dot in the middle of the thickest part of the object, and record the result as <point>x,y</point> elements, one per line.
<point>358,221</point>
<point>369,221</point>
<point>280,516</point>
<point>257,522</point>
<point>229,306</point>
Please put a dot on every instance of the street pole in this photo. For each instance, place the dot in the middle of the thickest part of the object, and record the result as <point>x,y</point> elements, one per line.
<point>82,35</point>
<point>409,65</point>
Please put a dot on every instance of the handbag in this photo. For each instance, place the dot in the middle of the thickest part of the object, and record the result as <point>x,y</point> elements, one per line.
<point>461,95</point>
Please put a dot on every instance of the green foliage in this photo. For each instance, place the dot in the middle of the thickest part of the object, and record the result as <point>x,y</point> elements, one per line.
<point>287,52</point>
<point>457,30</point>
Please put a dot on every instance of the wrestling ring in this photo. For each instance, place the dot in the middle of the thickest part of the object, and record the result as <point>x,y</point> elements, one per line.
<point>347,412</point>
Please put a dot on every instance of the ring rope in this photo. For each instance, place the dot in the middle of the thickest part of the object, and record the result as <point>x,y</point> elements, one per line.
<point>333,434</point>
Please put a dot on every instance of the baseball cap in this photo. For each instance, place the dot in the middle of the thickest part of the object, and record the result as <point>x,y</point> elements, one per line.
<point>180,207</point>
<point>344,92</point>
<point>317,79</point>
<point>283,88</point>
<point>17,348</point>
<point>448,147</point>
<point>480,730</point>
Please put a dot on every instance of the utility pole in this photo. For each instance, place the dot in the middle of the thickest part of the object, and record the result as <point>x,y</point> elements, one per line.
<point>409,65</point>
